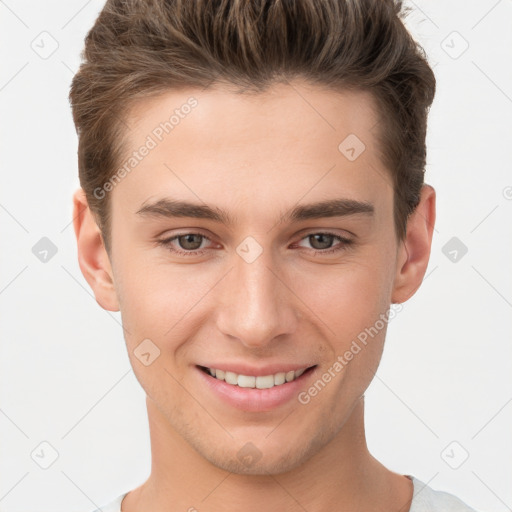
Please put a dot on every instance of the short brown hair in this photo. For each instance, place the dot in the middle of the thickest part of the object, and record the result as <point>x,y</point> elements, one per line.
<point>139,48</point>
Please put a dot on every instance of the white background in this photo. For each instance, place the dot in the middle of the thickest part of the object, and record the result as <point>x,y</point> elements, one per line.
<point>445,374</point>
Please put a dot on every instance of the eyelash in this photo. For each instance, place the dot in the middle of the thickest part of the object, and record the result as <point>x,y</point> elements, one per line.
<point>167,244</point>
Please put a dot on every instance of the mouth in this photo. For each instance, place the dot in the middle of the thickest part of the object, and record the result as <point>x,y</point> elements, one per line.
<point>256,382</point>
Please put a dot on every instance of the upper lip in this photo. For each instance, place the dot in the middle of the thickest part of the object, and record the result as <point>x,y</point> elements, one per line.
<point>246,369</point>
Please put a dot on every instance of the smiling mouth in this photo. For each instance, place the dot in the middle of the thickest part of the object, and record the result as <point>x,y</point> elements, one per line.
<point>256,382</point>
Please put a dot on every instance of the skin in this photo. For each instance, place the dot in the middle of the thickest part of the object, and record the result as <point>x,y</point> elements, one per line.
<point>257,157</point>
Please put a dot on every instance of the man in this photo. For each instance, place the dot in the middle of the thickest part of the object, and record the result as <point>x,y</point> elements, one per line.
<point>252,201</point>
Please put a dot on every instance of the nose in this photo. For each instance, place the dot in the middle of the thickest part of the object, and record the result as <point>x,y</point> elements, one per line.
<point>256,303</point>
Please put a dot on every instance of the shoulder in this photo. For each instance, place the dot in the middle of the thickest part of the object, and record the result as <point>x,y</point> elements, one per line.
<point>426,499</point>
<point>113,506</point>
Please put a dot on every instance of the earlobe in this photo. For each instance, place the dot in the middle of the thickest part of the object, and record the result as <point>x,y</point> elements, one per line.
<point>92,255</point>
<point>414,252</point>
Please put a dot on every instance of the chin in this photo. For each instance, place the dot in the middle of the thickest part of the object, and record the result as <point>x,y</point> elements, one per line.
<point>270,465</point>
<point>261,458</point>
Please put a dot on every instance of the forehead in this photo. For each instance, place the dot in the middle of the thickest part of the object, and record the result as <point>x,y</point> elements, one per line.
<point>271,148</point>
<point>295,109</point>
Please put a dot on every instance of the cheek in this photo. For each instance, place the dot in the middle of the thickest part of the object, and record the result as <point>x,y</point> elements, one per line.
<point>352,303</point>
<point>347,298</point>
<point>163,301</point>
<point>157,300</point>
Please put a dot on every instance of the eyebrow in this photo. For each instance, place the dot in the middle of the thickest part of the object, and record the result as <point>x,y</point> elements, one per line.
<point>169,208</point>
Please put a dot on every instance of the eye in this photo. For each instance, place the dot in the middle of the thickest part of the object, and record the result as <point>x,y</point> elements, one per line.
<point>322,242</point>
<point>187,244</point>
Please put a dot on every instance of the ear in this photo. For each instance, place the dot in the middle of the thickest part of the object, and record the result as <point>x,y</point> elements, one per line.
<point>414,252</point>
<point>92,256</point>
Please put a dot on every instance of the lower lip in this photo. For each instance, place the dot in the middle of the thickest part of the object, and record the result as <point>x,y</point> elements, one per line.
<point>253,399</point>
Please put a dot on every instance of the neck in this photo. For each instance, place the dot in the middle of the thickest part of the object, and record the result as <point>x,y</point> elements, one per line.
<point>341,476</point>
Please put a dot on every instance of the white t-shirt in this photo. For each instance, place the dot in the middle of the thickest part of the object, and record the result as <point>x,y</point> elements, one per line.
<point>425,499</point>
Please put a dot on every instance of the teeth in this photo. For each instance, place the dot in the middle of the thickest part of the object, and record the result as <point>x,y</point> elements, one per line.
<point>264,382</point>
<point>245,381</point>
<point>259,382</point>
<point>279,378</point>
<point>231,378</point>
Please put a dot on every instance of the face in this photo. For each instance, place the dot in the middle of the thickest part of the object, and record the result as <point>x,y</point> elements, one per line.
<point>254,238</point>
